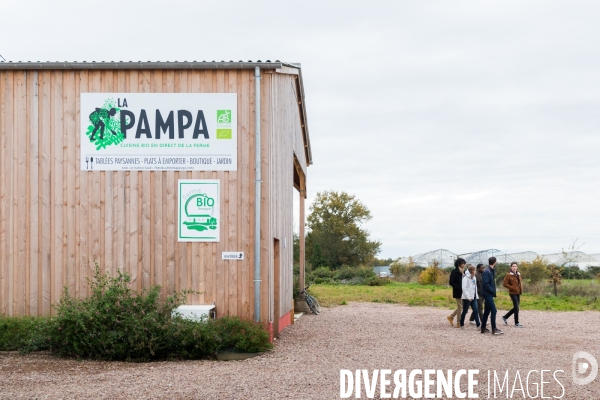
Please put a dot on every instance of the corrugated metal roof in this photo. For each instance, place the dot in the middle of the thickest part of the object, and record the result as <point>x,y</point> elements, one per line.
<point>144,64</point>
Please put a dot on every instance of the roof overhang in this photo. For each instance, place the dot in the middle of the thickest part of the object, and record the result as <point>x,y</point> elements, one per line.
<point>29,65</point>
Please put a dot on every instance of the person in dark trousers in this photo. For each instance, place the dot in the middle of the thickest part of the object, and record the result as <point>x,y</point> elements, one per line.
<point>469,295</point>
<point>488,292</point>
<point>456,283</point>
<point>514,284</point>
<point>478,273</point>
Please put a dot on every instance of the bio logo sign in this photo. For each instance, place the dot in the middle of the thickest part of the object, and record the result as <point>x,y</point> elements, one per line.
<point>199,210</point>
<point>158,131</point>
<point>224,124</point>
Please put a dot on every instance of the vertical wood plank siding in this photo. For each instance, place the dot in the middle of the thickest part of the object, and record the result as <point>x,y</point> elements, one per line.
<point>286,141</point>
<point>56,221</point>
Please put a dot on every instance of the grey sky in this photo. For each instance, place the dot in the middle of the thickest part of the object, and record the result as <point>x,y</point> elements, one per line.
<point>464,125</point>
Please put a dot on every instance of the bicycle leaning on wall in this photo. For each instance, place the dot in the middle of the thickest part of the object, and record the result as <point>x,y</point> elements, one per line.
<point>313,304</point>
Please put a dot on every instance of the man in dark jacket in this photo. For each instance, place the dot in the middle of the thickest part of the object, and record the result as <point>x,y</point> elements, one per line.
<point>488,292</point>
<point>480,269</point>
<point>456,283</point>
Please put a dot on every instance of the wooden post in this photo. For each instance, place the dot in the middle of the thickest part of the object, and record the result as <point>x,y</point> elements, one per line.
<point>302,247</point>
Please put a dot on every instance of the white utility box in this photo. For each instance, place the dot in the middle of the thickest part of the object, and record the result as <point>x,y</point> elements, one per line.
<point>203,312</point>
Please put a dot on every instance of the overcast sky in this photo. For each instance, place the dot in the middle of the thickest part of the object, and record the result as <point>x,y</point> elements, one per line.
<point>463,125</point>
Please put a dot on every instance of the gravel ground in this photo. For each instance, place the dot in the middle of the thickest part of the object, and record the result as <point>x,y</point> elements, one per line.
<point>308,356</point>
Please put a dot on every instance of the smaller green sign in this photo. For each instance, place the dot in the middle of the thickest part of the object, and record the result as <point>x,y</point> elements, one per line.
<point>224,133</point>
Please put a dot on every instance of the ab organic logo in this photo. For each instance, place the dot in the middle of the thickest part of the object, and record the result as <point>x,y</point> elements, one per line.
<point>224,130</point>
<point>223,116</point>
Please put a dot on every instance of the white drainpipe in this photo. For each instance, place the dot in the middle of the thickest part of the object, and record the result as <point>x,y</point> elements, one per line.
<point>257,184</point>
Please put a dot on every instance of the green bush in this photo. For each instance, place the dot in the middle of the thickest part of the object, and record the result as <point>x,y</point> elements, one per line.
<point>242,335</point>
<point>116,323</point>
<point>376,281</point>
<point>194,339</point>
<point>17,332</point>
<point>322,272</point>
<point>347,273</point>
<point>322,280</point>
<point>576,273</point>
<point>593,271</point>
<point>501,269</point>
<point>535,271</point>
<point>296,279</point>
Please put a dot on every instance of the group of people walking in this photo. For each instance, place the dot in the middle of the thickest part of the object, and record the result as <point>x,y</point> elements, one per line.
<point>475,287</point>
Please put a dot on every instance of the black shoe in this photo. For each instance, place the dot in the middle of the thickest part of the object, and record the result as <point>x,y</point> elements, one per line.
<point>486,330</point>
<point>505,320</point>
<point>497,332</point>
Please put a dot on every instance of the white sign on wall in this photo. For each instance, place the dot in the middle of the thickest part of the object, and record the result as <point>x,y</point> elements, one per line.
<point>199,216</point>
<point>232,255</point>
<point>159,131</point>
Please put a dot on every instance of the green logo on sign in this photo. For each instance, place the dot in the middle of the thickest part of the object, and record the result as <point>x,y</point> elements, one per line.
<point>224,133</point>
<point>200,208</point>
<point>104,120</point>
<point>223,116</point>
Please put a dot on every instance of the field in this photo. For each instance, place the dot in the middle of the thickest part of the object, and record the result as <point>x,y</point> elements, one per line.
<point>573,295</point>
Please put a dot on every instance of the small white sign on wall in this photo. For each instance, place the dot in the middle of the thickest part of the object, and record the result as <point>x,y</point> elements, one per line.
<point>233,255</point>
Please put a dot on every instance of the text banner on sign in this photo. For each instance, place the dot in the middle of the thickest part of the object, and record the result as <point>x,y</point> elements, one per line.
<point>199,213</point>
<point>159,131</point>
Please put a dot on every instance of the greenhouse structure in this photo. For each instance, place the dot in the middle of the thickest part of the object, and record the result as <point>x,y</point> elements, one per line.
<point>445,258</point>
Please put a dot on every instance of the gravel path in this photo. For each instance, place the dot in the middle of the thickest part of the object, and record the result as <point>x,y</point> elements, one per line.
<point>308,357</point>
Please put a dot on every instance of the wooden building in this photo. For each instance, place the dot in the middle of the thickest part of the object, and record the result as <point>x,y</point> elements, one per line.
<point>57,218</point>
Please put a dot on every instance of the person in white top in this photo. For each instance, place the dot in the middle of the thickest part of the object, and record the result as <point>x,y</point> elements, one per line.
<point>469,296</point>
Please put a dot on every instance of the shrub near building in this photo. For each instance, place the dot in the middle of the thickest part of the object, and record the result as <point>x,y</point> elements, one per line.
<point>117,323</point>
